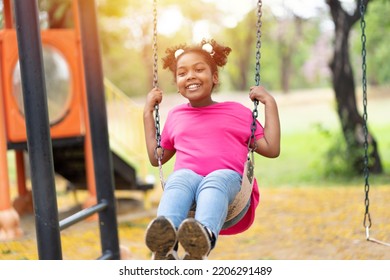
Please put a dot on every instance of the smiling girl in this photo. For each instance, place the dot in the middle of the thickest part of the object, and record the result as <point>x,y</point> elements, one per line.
<point>210,141</point>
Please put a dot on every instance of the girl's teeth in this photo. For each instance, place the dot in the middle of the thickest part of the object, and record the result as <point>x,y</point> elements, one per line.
<point>193,86</point>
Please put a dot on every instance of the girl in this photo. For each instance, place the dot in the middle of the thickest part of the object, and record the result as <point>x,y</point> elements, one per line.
<point>210,142</point>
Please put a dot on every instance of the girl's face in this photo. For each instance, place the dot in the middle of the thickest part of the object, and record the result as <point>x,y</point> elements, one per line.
<point>194,79</point>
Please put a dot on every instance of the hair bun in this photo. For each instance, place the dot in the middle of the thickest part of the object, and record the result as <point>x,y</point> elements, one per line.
<point>218,53</point>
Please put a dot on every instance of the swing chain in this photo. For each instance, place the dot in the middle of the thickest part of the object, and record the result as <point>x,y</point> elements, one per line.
<point>252,145</point>
<point>255,112</point>
<point>258,41</point>
<point>155,54</point>
<point>367,216</point>
<point>158,151</point>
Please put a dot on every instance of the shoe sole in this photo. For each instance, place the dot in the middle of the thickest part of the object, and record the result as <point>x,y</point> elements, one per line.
<point>194,239</point>
<point>161,238</point>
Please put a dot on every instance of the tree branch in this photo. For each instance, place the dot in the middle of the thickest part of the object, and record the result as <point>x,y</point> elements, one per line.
<point>336,8</point>
<point>356,15</point>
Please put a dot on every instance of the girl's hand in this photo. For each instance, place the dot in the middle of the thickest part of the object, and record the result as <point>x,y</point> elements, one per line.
<point>259,93</point>
<point>154,97</point>
<point>269,145</point>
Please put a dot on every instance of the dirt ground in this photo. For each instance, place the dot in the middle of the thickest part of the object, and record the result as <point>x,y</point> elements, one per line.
<point>291,224</point>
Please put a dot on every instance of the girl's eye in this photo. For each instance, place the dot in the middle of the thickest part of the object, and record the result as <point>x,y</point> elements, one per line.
<point>199,70</point>
<point>181,74</point>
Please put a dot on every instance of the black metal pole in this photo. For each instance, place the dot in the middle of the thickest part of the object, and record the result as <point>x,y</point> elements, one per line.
<point>98,126</point>
<point>38,131</point>
<point>82,215</point>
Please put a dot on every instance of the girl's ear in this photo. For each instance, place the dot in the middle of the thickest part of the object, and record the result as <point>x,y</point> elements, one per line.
<point>215,78</point>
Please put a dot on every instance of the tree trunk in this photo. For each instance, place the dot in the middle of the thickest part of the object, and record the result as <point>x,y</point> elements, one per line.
<point>285,71</point>
<point>287,48</point>
<point>344,87</point>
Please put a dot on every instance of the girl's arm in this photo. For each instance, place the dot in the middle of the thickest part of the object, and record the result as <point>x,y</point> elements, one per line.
<point>269,145</point>
<point>153,97</point>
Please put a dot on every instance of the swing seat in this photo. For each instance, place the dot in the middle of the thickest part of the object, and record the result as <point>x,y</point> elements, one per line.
<point>246,217</point>
<point>234,218</point>
<point>231,219</point>
<point>241,203</point>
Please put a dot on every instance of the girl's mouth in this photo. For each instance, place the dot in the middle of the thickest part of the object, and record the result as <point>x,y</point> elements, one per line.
<point>193,86</point>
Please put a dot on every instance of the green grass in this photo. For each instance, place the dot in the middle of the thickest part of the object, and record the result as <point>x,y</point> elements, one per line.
<point>303,161</point>
<point>297,164</point>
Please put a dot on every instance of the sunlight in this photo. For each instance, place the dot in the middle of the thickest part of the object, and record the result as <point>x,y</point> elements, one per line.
<point>170,20</point>
<point>201,30</point>
<point>234,10</point>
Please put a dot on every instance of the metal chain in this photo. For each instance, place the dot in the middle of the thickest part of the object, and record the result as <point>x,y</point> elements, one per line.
<point>158,151</point>
<point>255,112</point>
<point>155,49</point>
<point>258,42</point>
<point>367,217</point>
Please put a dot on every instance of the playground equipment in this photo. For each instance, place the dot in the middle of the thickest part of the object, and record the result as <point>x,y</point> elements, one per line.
<point>64,130</point>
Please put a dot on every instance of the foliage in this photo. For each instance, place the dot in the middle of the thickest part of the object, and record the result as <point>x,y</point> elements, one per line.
<point>1,15</point>
<point>242,39</point>
<point>123,67</point>
<point>290,40</point>
<point>58,13</point>
<point>119,22</point>
<point>338,157</point>
<point>126,35</point>
<point>378,52</point>
<point>132,37</point>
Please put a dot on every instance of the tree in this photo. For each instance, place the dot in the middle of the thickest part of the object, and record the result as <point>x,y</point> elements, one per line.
<point>378,51</point>
<point>242,37</point>
<point>344,88</point>
<point>289,33</point>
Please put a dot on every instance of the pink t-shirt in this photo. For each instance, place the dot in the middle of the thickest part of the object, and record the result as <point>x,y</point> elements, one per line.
<point>209,138</point>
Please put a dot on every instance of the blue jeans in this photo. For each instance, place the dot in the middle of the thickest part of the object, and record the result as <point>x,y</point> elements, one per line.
<point>212,195</point>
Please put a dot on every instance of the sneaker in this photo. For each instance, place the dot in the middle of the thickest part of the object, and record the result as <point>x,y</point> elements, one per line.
<point>161,239</point>
<point>194,239</point>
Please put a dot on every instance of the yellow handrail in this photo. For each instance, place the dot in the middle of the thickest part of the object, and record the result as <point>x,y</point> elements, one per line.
<point>125,125</point>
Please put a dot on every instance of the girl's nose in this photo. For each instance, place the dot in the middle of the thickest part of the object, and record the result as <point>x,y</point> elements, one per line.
<point>190,75</point>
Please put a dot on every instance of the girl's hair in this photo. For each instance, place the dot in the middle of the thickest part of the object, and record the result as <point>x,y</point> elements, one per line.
<point>214,54</point>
